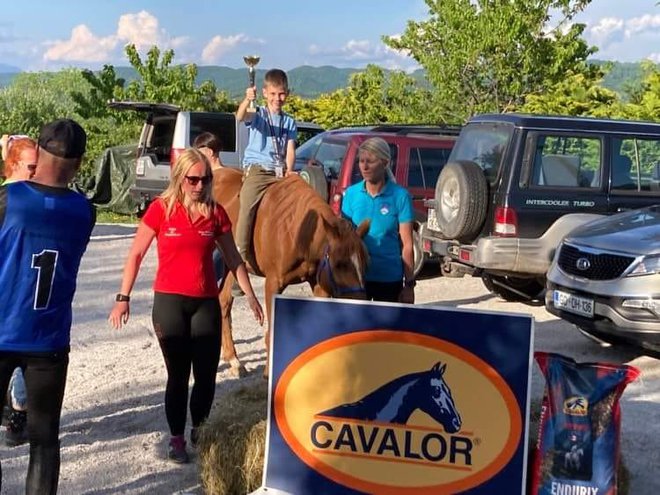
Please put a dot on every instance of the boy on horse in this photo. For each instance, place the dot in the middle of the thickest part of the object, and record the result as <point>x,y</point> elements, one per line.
<point>270,153</point>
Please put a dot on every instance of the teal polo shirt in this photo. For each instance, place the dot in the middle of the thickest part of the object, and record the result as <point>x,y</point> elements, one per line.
<point>386,211</point>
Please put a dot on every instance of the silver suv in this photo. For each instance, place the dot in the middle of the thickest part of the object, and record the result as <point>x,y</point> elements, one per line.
<point>605,278</point>
<point>167,131</point>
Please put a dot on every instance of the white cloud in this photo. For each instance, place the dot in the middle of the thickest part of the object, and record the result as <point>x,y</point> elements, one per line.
<point>654,57</point>
<point>366,52</point>
<point>221,45</point>
<point>141,29</point>
<point>83,46</point>
<point>607,30</point>
<point>645,24</point>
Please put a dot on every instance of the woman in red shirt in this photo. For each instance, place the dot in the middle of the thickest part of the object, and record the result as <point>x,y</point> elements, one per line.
<point>188,225</point>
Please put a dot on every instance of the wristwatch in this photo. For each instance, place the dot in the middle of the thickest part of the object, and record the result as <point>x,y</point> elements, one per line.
<point>409,284</point>
<point>122,298</point>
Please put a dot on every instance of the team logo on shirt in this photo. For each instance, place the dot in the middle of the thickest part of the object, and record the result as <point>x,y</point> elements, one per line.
<point>171,232</point>
<point>206,233</point>
<point>384,209</point>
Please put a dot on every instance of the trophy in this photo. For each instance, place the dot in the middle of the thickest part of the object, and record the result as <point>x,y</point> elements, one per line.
<point>251,61</point>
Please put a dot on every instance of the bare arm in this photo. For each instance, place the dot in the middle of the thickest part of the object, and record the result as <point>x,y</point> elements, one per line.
<point>290,155</point>
<point>408,257</point>
<point>143,239</point>
<point>241,112</point>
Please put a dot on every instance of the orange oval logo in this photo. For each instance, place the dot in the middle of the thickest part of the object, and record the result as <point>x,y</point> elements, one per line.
<point>395,412</point>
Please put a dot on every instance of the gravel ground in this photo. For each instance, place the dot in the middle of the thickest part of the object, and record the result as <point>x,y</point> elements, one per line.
<point>114,432</point>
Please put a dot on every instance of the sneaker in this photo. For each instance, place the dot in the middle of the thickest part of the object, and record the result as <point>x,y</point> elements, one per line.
<point>194,436</point>
<point>16,433</point>
<point>177,450</point>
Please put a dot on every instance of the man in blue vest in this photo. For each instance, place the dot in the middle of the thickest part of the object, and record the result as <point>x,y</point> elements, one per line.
<point>44,231</point>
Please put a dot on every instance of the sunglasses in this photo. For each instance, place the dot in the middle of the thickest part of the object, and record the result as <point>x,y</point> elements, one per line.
<point>193,180</point>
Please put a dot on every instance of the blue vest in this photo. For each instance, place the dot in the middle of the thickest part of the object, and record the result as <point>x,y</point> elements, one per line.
<point>42,239</point>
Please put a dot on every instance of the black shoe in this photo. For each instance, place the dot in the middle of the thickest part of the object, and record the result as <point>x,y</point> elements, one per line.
<point>176,451</point>
<point>16,433</point>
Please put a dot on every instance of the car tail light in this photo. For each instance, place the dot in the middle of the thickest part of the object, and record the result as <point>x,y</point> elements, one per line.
<point>335,203</point>
<point>174,155</point>
<point>506,222</point>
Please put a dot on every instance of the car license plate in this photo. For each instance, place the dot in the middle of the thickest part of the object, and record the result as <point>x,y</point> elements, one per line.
<point>574,304</point>
<point>431,220</point>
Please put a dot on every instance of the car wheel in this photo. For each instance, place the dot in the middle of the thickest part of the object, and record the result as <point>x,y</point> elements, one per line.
<point>315,177</point>
<point>514,289</point>
<point>461,198</point>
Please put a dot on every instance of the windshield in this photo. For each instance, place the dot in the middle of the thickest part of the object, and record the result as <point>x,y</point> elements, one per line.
<point>483,144</point>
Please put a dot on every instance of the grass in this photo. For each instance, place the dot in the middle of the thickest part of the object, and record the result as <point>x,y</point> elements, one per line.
<point>103,216</point>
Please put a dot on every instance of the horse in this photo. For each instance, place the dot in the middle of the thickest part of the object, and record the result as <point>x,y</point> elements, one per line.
<point>395,401</point>
<point>296,238</point>
<point>573,458</point>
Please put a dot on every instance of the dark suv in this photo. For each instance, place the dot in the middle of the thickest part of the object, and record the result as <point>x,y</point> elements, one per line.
<point>329,161</point>
<point>515,185</point>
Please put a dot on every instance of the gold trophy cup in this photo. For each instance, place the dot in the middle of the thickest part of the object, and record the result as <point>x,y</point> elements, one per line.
<point>251,61</point>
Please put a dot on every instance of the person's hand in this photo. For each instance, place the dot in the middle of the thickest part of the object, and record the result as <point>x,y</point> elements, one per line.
<point>251,93</point>
<point>119,314</point>
<point>289,172</point>
<point>256,308</point>
<point>407,295</point>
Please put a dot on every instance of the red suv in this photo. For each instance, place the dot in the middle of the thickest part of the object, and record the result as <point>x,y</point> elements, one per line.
<point>329,161</point>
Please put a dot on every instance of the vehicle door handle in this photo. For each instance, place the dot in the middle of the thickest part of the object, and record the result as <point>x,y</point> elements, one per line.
<point>417,198</point>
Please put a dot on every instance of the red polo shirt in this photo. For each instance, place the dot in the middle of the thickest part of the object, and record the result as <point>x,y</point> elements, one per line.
<point>185,249</point>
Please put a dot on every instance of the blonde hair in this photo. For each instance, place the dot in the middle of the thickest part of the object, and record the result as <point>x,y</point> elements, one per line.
<point>380,149</point>
<point>174,193</point>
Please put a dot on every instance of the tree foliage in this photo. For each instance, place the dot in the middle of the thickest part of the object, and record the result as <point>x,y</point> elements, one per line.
<point>488,55</point>
<point>372,96</point>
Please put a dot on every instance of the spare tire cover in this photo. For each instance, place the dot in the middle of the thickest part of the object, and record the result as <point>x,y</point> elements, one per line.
<point>315,177</point>
<point>461,200</point>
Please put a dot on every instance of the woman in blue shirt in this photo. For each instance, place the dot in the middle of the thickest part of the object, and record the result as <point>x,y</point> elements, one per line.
<point>389,209</point>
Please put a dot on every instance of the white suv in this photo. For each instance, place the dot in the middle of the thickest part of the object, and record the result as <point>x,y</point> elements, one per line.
<point>168,131</point>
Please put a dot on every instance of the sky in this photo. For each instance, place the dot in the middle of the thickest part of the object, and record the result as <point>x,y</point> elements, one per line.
<point>286,34</point>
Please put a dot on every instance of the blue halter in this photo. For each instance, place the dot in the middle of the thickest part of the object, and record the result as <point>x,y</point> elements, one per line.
<point>324,266</point>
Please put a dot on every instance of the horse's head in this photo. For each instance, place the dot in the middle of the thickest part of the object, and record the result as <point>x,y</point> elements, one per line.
<point>344,260</point>
<point>436,400</point>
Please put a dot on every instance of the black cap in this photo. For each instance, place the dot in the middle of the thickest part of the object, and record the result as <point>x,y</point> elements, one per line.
<point>64,138</point>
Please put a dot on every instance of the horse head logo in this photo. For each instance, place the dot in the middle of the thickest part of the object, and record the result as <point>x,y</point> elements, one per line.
<point>395,401</point>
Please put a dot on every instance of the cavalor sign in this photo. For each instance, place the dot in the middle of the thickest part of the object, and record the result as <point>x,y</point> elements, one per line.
<point>396,399</point>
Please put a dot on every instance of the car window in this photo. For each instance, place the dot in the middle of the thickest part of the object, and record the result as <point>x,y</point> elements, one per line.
<point>356,176</point>
<point>567,161</point>
<point>330,154</point>
<point>223,126</point>
<point>305,134</point>
<point>635,164</point>
<point>425,165</point>
<point>159,140</point>
<point>483,144</point>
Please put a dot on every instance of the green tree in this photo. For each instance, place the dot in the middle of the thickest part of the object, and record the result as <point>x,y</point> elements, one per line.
<point>489,55</point>
<point>372,96</point>
<point>162,82</point>
<point>646,103</point>
<point>577,95</point>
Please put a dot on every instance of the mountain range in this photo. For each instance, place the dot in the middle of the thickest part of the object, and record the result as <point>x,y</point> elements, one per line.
<point>310,82</point>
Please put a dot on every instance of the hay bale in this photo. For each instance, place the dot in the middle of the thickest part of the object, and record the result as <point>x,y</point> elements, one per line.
<point>232,442</point>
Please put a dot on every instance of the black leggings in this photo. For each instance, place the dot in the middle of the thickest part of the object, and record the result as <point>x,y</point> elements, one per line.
<point>45,380</point>
<point>188,330</point>
<point>383,291</point>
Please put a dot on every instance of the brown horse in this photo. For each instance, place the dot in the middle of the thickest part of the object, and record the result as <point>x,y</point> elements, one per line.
<point>296,238</point>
